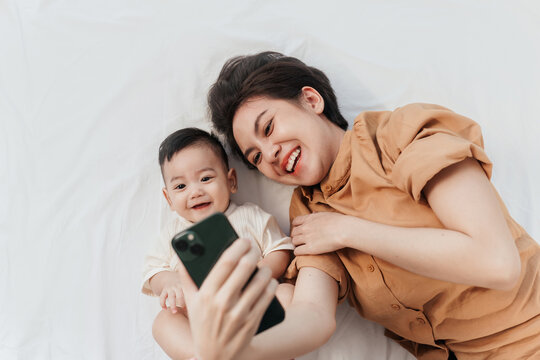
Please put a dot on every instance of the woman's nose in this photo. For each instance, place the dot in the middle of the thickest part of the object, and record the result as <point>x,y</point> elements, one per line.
<point>271,152</point>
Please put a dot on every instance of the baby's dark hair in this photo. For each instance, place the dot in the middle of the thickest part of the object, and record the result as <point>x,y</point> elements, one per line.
<point>183,138</point>
<point>268,74</point>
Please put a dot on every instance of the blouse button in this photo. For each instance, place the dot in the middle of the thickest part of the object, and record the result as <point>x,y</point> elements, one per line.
<point>327,188</point>
<point>395,306</point>
<point>371,268</point>
<point>420,321</point>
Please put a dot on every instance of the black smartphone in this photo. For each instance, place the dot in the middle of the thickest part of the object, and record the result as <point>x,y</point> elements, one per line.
<point>200,246</point>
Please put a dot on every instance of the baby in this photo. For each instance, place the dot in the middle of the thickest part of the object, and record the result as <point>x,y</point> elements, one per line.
<point>198,183</point>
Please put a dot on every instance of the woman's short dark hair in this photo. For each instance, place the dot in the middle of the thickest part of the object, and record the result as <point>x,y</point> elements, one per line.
<point>183,138</point>
<point>268,74</point>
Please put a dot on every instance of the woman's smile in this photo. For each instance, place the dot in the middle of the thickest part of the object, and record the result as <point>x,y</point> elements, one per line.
<point>296,145</point>
<point>289,163</point>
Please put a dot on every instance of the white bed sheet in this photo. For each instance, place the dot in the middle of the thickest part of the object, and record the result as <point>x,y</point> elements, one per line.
<point>88,89</point>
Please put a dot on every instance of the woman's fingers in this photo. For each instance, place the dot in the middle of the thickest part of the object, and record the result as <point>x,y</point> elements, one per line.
<point>252,292</point>
<point>296,230</point>
<point>299,220</point>
<point>247,312</point>
<point>231,288</point>
<point>188,286</point>
<point>226,264</point>
<point>300,250</point>
<point>219,273</point>
<point>261,304</point>
<point>298,240</point>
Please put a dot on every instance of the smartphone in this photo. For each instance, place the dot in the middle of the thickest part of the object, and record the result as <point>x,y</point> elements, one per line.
<point>199,248</point>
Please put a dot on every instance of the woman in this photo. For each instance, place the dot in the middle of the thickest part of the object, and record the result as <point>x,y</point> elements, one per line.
<point>397,215</point>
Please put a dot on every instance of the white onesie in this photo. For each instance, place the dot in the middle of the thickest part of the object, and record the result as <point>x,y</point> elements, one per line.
<point>248,220</point>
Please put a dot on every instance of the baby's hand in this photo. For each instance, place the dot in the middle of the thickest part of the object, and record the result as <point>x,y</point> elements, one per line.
<point>175,295</point>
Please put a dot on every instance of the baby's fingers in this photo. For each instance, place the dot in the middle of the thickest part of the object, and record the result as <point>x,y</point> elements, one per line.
<point>163,299</point>
<point>172,302</point>
<point>180,297</point>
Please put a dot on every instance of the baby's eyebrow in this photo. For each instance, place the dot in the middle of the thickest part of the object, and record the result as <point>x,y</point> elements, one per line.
<point>206,169</point>
<point>176,178</point>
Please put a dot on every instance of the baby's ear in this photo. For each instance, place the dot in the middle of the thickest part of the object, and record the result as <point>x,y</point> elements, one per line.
<point>231,177</point>
<point>166,194</point>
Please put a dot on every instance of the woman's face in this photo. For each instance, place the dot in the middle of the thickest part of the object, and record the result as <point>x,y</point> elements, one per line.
<point>291,142</point>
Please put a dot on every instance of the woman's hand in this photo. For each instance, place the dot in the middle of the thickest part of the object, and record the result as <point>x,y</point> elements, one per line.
<point>222,316</point>
<point>321,232</point>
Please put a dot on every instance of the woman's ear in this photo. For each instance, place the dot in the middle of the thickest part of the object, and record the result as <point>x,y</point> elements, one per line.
<point>231,177</point>
<point>166,194</point>
<point>313,99</point>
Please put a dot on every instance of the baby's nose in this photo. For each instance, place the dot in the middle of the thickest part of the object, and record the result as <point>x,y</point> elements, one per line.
<point>196,192</point>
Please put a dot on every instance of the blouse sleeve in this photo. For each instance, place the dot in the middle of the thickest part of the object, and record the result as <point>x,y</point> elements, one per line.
<point>328,263</point>
<point>419,140</point>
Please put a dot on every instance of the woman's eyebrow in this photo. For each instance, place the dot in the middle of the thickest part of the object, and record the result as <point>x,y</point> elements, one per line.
<point>256,130</point>
<point>257,120</point>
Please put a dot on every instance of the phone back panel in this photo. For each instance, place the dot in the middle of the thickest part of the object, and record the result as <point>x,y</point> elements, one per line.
<point>215,234</point>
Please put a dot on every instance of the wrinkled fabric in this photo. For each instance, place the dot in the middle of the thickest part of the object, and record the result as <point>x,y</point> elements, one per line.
<point>382,166</point>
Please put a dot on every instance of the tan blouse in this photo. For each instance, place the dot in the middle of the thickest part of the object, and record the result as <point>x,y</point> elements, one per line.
<point>382,166</point>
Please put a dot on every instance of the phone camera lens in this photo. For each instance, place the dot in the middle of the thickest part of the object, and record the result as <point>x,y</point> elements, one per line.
<point>182,245</point>
<point>197,249</point>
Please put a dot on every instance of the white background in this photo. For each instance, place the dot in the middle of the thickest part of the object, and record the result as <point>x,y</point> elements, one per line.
<point>88,90</point>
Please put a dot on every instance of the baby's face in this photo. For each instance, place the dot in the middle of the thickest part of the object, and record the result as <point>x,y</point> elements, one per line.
<point>197,184</point>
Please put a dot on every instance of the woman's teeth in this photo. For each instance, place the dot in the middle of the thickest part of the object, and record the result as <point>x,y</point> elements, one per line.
<point>292,160</point>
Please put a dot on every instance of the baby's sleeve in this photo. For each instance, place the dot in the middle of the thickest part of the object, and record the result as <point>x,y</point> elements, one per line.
<point>419,140</point>
<point>156,260</point>
<point>272,238</point>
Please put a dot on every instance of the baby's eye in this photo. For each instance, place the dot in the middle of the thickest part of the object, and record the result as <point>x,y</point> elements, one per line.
<point>206,178</point>
<point>180,186</point>
<point>268,128</point>
<point>256,158</point>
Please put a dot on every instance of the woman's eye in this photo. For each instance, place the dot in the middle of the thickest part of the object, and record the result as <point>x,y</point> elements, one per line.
<point>256,158</point>
<point>180,186</point>
<point>268,128</point>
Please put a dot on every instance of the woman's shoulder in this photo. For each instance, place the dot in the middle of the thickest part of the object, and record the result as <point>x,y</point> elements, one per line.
<point>412,110</point>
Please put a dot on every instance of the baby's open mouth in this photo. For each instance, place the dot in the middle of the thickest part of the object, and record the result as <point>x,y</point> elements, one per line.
<point>201,206</point>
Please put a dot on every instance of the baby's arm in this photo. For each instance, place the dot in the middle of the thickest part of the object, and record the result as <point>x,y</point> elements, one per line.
<point>167,284</point>
<point>277,261</point>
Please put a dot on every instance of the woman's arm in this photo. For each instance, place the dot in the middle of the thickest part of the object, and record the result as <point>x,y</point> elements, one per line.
<point>277,261</point>
<point>309,321</point>
<point>476,248</point>
<point>223,317</point>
